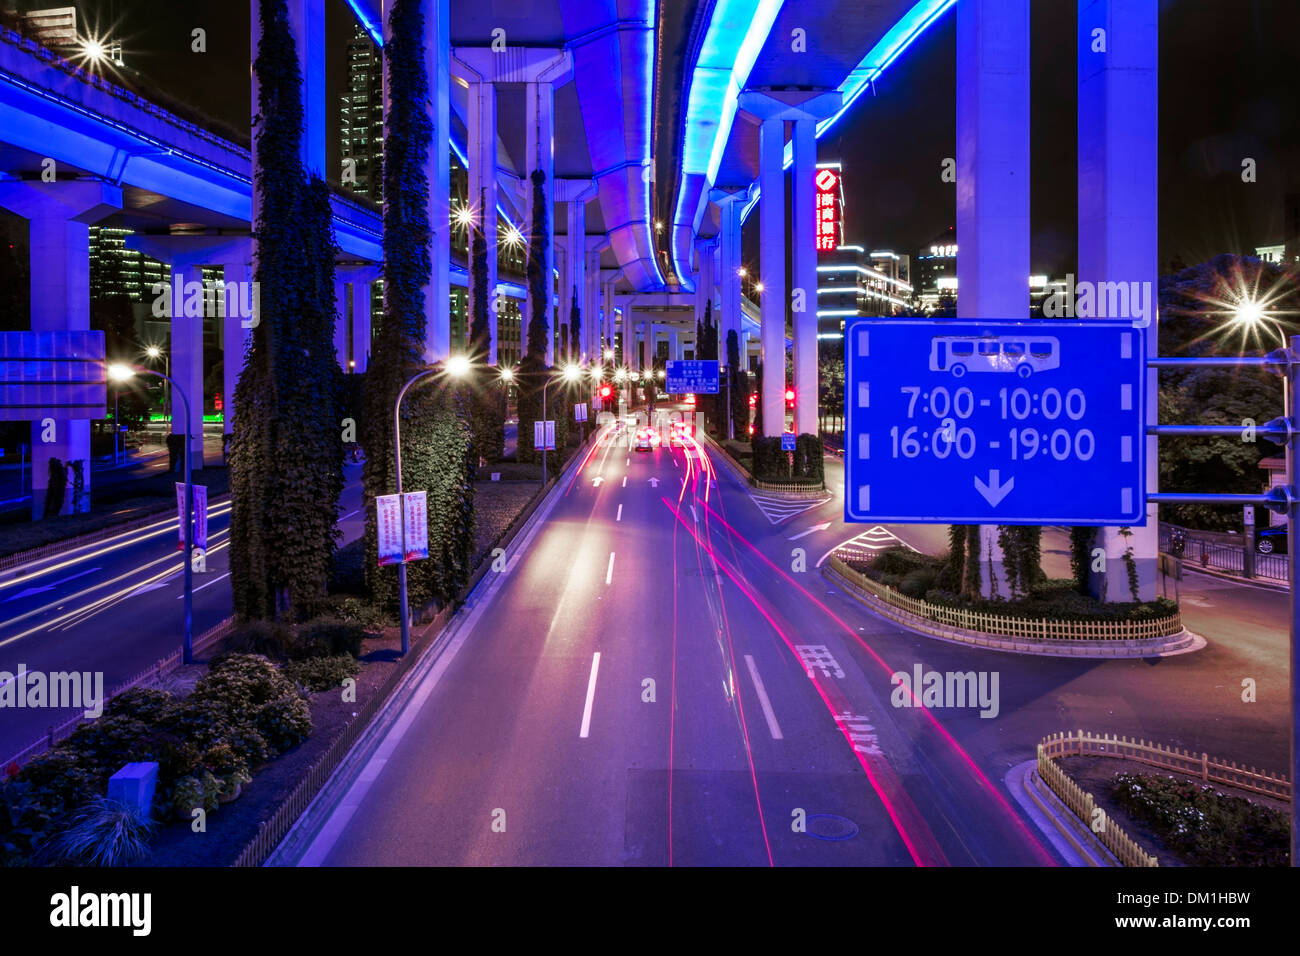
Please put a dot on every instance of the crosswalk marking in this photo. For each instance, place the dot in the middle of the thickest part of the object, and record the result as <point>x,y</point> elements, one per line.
<point>868,543</point>
<point>777,509</point>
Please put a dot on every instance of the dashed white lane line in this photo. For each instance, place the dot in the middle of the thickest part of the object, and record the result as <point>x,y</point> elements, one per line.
<point>591,692</point>
<point>619,516</point>
<point>773,727</point>
<point>625,481</point>
<point>609,571</point>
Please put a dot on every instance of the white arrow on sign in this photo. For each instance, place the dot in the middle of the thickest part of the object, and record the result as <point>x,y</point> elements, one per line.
<point>813,530</point>
<point>654,482</point>
<point>994,491</point>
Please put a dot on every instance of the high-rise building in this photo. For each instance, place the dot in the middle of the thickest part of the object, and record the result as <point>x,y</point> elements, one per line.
<point>117,270</point>
<point>361,118</point>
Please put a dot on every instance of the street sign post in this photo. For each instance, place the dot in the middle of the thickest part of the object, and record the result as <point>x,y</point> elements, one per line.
<point>691,376</point>
<point>995,422</point>
<point>787,441</point>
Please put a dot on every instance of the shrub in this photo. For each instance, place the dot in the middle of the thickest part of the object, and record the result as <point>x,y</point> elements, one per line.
<point>1201,825</point>
<point>363,614</point>
<point>347,573</point>
<point>102,833</point>
<point>223,759</point>
<point>285,722</point>
<point>808,462</point>
<point>270,638</point>
<point>240,683</point>
<point>195,791</point>
<point>917,583</point>
<point>327,637</point>
<point>770,462</point>
<point>322,673</point>
<point>142,703</point>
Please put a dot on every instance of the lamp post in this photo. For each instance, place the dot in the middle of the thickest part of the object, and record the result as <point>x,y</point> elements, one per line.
<point>570,373</point>
<point>124,373</point>
<point>458,366</point>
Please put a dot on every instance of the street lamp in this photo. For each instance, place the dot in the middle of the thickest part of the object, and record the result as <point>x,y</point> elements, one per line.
<point>457,369</point>
<point>124,373</point>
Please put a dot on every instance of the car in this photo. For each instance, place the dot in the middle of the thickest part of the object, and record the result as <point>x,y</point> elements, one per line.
<point>1272,540</point>
<point>647,439</point>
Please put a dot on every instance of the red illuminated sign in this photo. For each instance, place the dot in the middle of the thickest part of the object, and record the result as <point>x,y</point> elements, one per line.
<point>827,222</point>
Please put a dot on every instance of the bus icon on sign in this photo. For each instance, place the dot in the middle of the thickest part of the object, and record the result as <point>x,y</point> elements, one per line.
<point>960,354</point>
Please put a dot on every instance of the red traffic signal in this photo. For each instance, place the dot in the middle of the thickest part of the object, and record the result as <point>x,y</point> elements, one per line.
<point>605,391</point>
<point>753,400</point>
<point>789,394</point>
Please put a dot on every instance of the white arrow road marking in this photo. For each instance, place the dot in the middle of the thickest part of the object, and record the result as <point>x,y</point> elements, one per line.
<point>773,727</point>
<point>994,491</point>
<point>155,585</point>
<point>48,587</point>
<point>591,690</point>
<point>202,586</point>
<point>813,530</point>
<point>597,480</point>
<point>654,482</point>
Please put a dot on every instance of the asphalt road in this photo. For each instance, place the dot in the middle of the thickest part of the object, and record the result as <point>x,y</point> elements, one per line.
<point>115,608</point>
<point>654,683</point>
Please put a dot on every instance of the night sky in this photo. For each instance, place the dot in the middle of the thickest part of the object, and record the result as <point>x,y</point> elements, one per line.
<point>1229,72</point>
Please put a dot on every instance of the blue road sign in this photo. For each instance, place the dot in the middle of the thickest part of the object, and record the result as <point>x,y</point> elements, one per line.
<point>995,422</point>
<point>61,374</point>
<point>787,441</point>
<point>694,376</point>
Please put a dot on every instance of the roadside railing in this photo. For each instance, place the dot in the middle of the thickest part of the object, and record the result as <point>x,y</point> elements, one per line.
<point>1202,551</point>
<point>1202,765</point>
<point>1081,804</point>
<point>1003,625</point>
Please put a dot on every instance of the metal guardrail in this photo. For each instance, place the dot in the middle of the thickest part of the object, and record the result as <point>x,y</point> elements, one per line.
<point>1205,553</point>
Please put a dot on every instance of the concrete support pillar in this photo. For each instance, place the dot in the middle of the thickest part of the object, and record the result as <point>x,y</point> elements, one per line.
<point>540,77</point>
<point>361,325</point>
<point>235,333</point>
<point>674,345</point>
<point>1118,120</point>
<point>186,353</point>
<point>475,66</point>
<point>593,336</point>
<point>59,218</point>
<point>341,300</point>
<point>804,291</point>
<point>992,178</point>
<point>437,294</point>
<point>575,271</point>
<point>772,244</point>
<point>608,309</point>
<point>307,20</point>
<point>730,206</point>
<point>631,354</point>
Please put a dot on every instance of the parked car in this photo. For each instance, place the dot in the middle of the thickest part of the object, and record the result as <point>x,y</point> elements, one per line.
<point>1272,540</point>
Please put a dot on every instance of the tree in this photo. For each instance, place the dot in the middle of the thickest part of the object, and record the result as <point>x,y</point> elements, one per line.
<point>286,448</point>
<point>436,436</point>
<point>758,406</point>
<point>830,383</point>
<point>539,283</point>
<point>488,408</point>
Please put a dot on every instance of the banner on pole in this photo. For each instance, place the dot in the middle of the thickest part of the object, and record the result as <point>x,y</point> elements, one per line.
<point>417,525</point>
<point>200,516</point>
<point>388,516</point>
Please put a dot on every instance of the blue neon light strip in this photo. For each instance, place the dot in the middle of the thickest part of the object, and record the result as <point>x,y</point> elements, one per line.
<point>909,27</point>
<point>376,34</point>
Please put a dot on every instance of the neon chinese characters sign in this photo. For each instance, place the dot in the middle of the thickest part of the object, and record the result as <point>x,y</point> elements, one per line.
<point>828,210</point>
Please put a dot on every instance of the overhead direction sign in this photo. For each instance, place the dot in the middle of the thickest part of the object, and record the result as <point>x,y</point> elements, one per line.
<point>995,422</point>
<point>691,377</point>
<point>60,374</point>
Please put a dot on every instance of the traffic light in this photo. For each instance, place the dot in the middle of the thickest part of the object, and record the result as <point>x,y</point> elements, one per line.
<point>753,399</point>
<point>789,396</point>
<point>605,391</point>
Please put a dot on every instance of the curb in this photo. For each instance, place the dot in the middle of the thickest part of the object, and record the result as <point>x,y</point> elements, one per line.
<point>1184,642</point>
<point>1269,584</point>
<point>1068,836</point>
<point>440,634</point>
